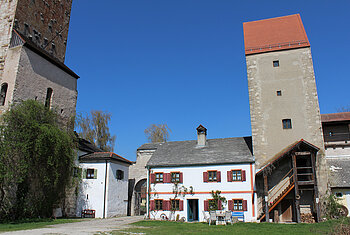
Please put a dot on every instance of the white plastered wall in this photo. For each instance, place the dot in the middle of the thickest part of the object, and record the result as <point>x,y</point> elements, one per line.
<point>193,176</point>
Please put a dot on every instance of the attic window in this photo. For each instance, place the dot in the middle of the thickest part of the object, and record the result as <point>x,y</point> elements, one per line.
<point>276,63</point>
<point>120,174</point>
<point>90,174</point>
<point>287,123</point>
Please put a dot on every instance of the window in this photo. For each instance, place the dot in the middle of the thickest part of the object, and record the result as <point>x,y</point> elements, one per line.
<point>3,93</point>
<point>287,123</point>
<point>279,93</point>
<point>238,205</point>
<point>338,194</point>
<point>158,204</point>
<point>175,177</point>
<point>175,205</point>
<point>90,174</point>
<point>48,97</point>
<point>212,176</point>
<point>276,63</point>
<point>159,177</point>
<point>236,175</point>
<point>120,174</point>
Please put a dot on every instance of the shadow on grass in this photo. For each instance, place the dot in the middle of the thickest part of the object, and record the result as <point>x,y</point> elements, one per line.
<point>25,224</point>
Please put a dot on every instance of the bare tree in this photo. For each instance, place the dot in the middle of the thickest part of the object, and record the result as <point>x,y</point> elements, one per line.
<point>156,133</point>
<point>94,128</point>
<point>344,109</point>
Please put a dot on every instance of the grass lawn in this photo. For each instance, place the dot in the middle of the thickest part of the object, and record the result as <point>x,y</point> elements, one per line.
<point>169,228</point>
<point>33,223</point>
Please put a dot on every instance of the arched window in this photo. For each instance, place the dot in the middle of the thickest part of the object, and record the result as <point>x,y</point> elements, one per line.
<point>3,94</point>
<point>48,97</point>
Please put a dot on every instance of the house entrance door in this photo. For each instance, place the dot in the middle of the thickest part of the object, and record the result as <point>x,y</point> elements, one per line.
<point>192,209</point>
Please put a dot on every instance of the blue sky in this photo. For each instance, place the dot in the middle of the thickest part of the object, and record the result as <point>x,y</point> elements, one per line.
<point>182,62</point>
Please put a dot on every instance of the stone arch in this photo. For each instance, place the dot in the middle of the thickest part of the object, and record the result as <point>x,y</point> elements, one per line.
<point>140,195</point>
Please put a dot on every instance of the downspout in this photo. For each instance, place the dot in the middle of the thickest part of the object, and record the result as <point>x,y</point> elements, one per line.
<point>105,193</point>
<point>148,193</point>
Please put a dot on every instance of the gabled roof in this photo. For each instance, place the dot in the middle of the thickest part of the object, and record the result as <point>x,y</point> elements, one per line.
<point>215,152</point>
<point>285,152</point>
<point>335,117</point>
<point>339,172</point>
<point>88,147</point>
<point>274,34</point>
<point>149,146</point>
<point>19,39</point>
<point>91,157</point>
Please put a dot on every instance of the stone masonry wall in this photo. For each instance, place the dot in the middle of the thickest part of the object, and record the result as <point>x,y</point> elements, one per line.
<point>299,102</point>
<point>35,75</point>
<point>46,22</point>
<point>7,14</point>
<point>138,171</point>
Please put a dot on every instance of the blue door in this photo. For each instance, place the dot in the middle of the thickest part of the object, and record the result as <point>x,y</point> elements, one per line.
<point>192,210</point>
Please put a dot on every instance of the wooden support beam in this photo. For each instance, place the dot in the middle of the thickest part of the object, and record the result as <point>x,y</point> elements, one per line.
<point>296,188</point>
<point>302,153</point>
<point>316,197</point>
<point>266,192</point>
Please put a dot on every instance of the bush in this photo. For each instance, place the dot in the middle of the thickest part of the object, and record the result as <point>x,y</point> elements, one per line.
<point>36,161</point>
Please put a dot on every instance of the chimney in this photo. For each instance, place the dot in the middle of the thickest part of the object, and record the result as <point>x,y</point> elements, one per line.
<point>201,136</point>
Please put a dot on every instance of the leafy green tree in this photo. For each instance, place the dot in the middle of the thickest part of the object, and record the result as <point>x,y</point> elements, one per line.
<point>36,161</point>
<point>214,204</point>
<point>94,128</point>
<point>157,133</point>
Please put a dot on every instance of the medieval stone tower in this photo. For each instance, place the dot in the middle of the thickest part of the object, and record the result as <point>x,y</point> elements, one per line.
<point>282,90</point>
<point>33,38</point>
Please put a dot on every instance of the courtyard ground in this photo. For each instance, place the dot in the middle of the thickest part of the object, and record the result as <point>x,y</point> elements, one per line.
<point>90,226</point>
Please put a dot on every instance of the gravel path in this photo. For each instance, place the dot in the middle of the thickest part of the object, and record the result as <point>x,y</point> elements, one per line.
<point>85,227</point>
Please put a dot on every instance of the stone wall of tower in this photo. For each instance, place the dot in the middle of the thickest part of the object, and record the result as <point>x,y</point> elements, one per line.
<point>295,78</point>
<point>46,22</point>
<point>7,14</point>
<point>29,76</point>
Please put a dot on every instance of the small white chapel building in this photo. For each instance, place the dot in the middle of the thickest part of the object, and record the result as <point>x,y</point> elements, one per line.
<point>104,185</point>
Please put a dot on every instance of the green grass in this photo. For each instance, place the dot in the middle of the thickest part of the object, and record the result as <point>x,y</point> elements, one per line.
<point>33,223</point>
<point>169,228</point>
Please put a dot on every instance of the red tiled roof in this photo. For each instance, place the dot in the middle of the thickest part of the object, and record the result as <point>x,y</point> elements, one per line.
<point>335,117</point>
<point>274,34</point>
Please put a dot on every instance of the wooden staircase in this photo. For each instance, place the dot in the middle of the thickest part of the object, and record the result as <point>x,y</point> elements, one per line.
<point>278,192</point>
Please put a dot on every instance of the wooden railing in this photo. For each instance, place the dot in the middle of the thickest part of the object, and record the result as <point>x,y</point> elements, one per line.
<point>276,193</point>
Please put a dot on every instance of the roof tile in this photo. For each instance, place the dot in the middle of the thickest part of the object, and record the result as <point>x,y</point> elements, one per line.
<point>274,34</point>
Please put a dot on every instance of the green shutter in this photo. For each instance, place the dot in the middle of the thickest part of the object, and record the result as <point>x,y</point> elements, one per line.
<point>84,173</point>
<point>95,173</point>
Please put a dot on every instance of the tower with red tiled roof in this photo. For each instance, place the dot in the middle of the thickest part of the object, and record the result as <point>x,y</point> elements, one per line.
<point>282,89</point>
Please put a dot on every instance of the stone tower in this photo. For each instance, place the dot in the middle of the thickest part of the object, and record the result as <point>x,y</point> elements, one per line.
<point>282,89</point>
<point>33,38</point>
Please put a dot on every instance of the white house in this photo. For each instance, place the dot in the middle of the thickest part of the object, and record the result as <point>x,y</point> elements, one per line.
<point>104,186</point>
<point>198,168</point>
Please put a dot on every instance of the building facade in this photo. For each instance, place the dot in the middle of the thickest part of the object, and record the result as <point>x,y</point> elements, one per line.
<point>336,132</point>
<point>183,174</point>
<point>104,186</point>
<point>283,97</point>
<point>33,38</point>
